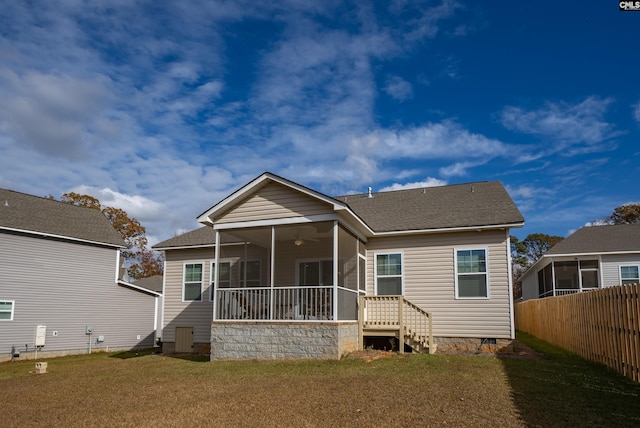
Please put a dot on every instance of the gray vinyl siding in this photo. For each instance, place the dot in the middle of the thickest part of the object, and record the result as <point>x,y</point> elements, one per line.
<point>196,314</point>
<point>186,314</point>
<point>611,267</point>
<point>428,263</point>
<point>275,201</point>
<point>66,287</point>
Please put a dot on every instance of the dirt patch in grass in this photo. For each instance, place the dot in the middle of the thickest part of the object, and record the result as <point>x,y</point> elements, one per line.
<point>516,349</point>
<point>369,355</point>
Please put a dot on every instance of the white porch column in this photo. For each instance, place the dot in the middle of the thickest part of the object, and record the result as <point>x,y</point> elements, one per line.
<point>335,270</point>
<point>216,277</point>
<point>273,266</point>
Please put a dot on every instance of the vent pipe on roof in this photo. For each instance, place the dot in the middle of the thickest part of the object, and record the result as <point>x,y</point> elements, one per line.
<point>473,189</point>
<point>370,195</point>
<point>6,203</point>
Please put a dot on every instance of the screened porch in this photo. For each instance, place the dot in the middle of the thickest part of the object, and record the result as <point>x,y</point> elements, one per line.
<point>291,272</point>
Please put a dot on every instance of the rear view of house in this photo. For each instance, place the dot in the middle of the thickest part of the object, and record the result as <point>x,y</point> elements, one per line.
<point>60,291</point>
<point>281,270</point>
<point>591,258</point>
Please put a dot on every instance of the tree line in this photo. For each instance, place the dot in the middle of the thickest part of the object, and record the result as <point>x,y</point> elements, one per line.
<point>526,252</point>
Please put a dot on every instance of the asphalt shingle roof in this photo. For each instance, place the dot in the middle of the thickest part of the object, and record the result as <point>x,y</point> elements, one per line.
<point>201,236</point>
<point>600,239</point>
<point>463,205</point>
<point>484,203</point>
<point>153,283</point>
<point>29,213</point>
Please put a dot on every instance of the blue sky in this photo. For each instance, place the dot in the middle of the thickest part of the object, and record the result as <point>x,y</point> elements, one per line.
<point>164,108</point>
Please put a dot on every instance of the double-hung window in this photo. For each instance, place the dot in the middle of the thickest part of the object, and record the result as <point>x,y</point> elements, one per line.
<point>6,310</point>
<point>224,281</point>
<point>629,275</point>
<point>471,274</point>
<point>192,284</point>
<point>388,274</point>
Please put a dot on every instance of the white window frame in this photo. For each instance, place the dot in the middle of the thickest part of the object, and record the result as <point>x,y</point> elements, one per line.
<point>184,282</point>
<point>375,270</point>
<point>213,279</point>
<point>626,266</point>
<point>457,274</point>
<point>11,311</point>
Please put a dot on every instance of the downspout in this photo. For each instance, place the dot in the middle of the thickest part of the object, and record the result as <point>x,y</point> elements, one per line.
<point>511,305</point>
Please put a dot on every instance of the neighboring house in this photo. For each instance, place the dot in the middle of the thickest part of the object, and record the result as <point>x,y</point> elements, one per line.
<point>59,282</point>
<point>590,258</point>
<point>154,283</point>
<point>279,270</point>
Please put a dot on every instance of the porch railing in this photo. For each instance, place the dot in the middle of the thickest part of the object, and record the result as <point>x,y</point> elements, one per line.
<point>384,314</point>
<point>565,291</point>
<point>277,303</point>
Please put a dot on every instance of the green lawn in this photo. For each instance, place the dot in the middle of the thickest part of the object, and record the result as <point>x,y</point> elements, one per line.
<point>558,389</point>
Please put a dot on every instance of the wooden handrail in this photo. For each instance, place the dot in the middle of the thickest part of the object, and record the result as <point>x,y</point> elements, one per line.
<point>396,313</point>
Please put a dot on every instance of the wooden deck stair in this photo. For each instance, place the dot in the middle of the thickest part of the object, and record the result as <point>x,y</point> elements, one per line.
<point>395,316</point>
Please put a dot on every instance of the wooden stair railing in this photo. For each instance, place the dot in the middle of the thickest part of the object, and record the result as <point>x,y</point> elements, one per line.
<point>396,316</point>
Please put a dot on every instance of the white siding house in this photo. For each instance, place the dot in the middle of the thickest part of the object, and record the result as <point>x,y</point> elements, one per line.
<point>296,263</point>
<point>591,258</point>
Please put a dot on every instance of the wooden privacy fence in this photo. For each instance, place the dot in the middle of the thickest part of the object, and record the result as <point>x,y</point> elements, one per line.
<point>601,325</point>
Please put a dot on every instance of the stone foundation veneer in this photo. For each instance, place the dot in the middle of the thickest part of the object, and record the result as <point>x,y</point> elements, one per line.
<point>273,340</point>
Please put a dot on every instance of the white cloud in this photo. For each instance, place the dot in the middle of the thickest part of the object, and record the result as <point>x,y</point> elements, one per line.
<point>444,140</point>
<point>141,107</point>
<point>135,205</point>
<point>398,88</point>
<point>428,182</point>
<point>573,128</point>
<point>636,112</point>
<point>57,115</point>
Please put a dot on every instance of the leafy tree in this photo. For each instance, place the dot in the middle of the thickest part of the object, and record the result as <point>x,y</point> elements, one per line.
<point>526,252</point>
<point>624,214</point>
<point>149,264</point>
<point>81,200</point>
<point>535,245</point>
<point>141,261</point>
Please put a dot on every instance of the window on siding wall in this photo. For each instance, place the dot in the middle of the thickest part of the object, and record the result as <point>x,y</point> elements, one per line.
<point>6,310</point>
<point>192,285</point>
<point>389,274</point>
<point>225,277</point>
<point>629,274</point>
<point>471,274</point>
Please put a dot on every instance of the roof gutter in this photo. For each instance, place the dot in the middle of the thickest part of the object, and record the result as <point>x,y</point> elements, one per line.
<point>185,247</point>
<point>450,229</point>
<point>138,288</point>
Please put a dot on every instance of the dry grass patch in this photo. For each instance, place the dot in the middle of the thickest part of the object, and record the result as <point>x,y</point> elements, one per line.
<point>410,390</point>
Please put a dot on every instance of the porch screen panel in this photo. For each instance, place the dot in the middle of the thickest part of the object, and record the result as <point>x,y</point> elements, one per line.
<point>347,305</point>
<point>347,259</point>
<point>566,275</point>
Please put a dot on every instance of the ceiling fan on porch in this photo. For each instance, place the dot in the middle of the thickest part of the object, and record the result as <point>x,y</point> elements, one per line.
<point>298,241</point>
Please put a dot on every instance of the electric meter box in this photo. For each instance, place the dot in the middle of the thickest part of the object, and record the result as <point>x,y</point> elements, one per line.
<point>41,335</point>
